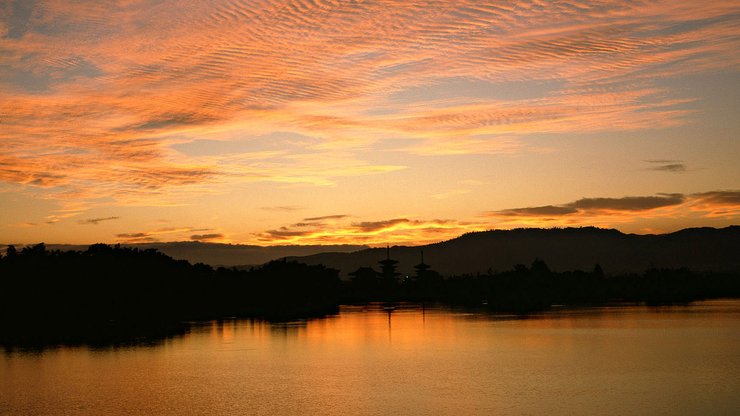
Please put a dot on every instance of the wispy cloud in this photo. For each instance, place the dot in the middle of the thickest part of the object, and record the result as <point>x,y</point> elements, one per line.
<point>396,231</point>
<point>136,238</point>
<point>717,203</point>
<point>628,203</point>
<point>94,107</point>
<point>611,211</point>
<point>51,219</point>
<point>602,206</point>
<point>546,210</point>
<point>170,234</point>
<point>674,166</point>
<point>287,208</point>
<point>327,217</point>
<point>591,206</point>
<point>599,211</point>
<point>206,237</point>
<point>96,221</point>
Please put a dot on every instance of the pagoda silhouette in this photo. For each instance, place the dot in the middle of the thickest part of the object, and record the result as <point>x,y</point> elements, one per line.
<point>427,282</point>
<point>422,268</point>
<point>388,275</point>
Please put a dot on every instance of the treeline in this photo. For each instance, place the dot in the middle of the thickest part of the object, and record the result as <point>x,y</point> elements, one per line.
<point>536,287</point>
<point>110,294</point>
<point>115,294</point>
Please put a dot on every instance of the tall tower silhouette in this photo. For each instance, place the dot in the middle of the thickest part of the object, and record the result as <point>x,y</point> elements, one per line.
<point>388,272</point>
<point>421,268</point>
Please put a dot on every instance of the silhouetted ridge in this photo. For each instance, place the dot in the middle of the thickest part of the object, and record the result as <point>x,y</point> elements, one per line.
<point>701,249</point>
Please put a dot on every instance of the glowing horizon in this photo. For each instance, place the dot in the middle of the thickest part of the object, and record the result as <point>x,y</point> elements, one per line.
<point>327,122</point>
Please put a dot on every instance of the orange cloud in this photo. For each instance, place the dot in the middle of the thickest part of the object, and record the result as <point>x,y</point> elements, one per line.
<point>96,221</point>
<point>717,203</point>
<point>170,234</point>
<point>207,237</point>
<point>393,231</point>
<point>603,212</point>
<point>95,96</point>
<point>611,211</point>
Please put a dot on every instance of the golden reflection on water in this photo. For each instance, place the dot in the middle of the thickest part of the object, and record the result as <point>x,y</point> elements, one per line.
<point>408,360</point>
<point>412,325</point>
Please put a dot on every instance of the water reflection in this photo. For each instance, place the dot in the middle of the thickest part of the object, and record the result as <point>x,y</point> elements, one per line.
<point>106,343</point>
<point>414,324</point>
<point>404,359</point>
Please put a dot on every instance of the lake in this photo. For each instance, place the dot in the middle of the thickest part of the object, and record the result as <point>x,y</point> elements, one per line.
<point>372,361</point>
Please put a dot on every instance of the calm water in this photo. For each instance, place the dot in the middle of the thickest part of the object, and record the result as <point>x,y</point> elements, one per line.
<point>365,361</point>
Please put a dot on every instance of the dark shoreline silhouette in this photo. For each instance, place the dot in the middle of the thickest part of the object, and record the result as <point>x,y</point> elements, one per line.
<point>112,295</point>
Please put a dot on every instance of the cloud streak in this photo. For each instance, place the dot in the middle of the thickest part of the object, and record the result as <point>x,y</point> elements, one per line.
<point>96,221</point>
<point>604,212</point>
<point>610,211</point>
<point>717,204</point>
<point>590,206</point>
<point>170,234</point>
<point>391,231</point>
<point>673,166</point>
<point>115,98</point>
<point>206,237</point>
<point>327,217</point>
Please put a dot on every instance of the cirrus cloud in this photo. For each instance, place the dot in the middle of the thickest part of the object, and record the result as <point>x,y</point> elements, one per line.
<point>148,103</point>
<point>96,107</point>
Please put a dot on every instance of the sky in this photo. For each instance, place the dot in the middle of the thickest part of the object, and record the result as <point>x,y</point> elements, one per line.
<point>364,122</point>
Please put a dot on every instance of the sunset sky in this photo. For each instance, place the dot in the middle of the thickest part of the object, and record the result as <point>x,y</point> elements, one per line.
<point>371,122</point>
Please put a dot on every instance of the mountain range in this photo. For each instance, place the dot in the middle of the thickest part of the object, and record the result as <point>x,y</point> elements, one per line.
<point>699,249</point>
<point>562,249</point>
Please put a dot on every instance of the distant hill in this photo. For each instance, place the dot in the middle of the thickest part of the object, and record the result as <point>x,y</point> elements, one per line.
<point>227,255</point>
<point>699,249</point>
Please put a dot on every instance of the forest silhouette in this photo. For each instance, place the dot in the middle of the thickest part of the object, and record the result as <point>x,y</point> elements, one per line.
<point>112,294</point>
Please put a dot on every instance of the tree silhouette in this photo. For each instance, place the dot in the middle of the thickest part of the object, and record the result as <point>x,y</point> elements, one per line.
<point>365,284</point>
<point>109,294</point>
